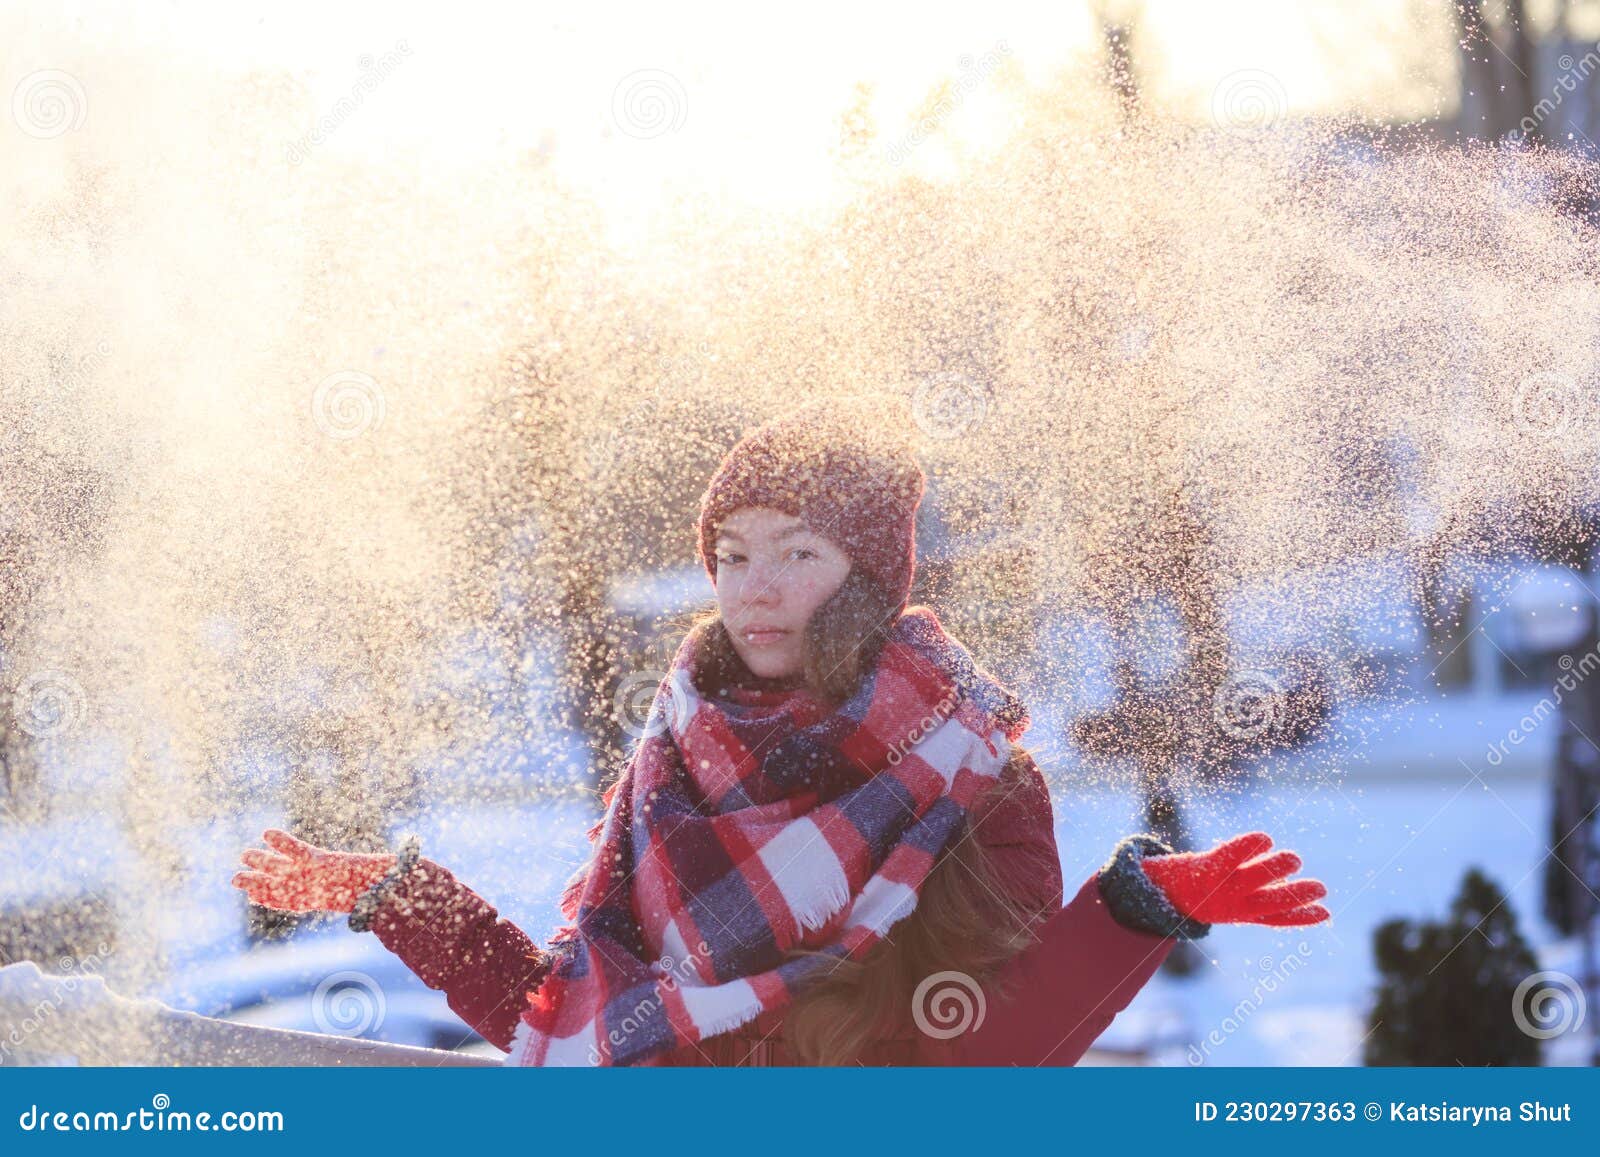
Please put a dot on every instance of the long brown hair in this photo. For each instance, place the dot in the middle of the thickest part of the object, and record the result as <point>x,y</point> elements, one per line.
<point>957,924</point>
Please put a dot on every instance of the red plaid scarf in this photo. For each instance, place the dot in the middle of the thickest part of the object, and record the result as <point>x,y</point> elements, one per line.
<point>756,823</point>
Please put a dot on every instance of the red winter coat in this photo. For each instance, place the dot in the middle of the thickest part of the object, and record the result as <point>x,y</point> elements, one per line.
<point>1065,988</point>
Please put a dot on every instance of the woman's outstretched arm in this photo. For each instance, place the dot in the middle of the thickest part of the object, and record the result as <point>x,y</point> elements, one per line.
<point>441,929</point>
<point>455,941</point>
<point>1050,1002</point>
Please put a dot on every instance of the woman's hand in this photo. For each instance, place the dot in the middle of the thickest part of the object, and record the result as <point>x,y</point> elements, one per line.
<point>299,877</point>
<point>1221,887</point>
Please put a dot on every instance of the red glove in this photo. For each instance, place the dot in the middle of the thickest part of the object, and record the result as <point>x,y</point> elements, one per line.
<point>1220,887</point>
<point>299,877</point>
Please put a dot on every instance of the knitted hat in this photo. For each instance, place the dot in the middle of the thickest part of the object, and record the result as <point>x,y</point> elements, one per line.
<point>840,467</point>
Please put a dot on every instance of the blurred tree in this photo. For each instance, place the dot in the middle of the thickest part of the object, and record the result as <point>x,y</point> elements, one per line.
<point>1446,989</point>
<point>1496,70</point>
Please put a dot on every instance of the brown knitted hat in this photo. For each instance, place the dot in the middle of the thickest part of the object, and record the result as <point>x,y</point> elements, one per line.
<point>841,467</point>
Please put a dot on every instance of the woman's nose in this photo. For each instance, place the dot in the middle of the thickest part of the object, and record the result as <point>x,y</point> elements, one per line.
<point>760,584</point>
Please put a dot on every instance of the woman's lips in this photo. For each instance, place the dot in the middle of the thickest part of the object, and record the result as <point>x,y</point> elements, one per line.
<point>763,638</point>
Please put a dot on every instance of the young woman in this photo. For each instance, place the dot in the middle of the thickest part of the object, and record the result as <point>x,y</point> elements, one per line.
<point>828,847</point>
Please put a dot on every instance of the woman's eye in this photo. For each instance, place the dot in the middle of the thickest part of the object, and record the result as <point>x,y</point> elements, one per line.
<point>728,558</point>
<point>804,550</point>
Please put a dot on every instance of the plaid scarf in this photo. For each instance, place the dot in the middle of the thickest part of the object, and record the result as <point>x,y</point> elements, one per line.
<point>751,824</point>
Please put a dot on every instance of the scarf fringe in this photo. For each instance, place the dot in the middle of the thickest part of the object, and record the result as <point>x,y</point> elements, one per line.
<point>733,1020</point>
<point>824,908</point>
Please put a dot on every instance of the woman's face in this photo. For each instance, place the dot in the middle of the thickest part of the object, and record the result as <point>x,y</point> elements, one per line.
<point>773,572</point>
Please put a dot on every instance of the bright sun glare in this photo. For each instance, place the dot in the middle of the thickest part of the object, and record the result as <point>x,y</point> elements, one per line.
<point>723,105</point>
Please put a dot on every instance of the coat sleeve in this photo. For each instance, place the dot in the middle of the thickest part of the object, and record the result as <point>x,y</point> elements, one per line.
<point>1051,1001</point>
<point>454,940</point>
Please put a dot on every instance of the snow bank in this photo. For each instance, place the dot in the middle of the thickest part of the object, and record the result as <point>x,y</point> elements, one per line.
<point>53,1019</point>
